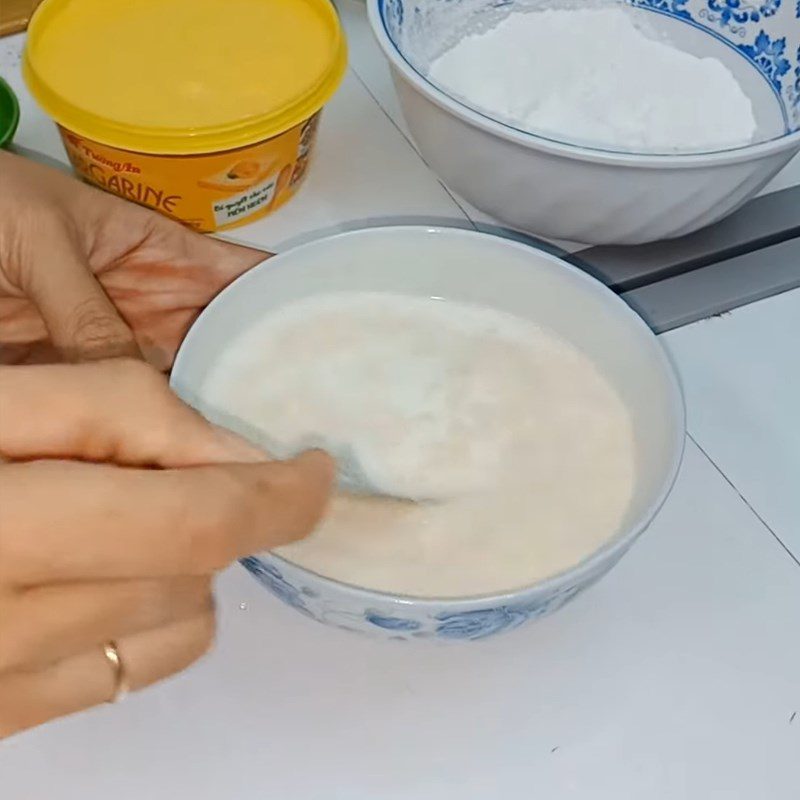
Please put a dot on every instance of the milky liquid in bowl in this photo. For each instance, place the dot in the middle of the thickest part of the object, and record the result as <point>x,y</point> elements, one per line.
<point>525,445</point>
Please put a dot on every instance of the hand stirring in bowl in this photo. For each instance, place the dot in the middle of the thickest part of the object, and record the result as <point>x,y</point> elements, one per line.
<point>351,476</point>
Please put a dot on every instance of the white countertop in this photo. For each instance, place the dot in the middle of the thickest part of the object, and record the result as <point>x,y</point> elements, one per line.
<point>676,678</point>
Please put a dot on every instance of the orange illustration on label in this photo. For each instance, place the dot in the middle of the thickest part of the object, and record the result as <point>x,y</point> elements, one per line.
<point>210,191</point>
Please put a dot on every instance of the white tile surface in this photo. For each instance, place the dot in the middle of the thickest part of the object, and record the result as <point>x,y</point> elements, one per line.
<point>741,376</point>
<point>673,679</point>
<point>36,131</point>
<point>366,59</point>
<point>364,173</point>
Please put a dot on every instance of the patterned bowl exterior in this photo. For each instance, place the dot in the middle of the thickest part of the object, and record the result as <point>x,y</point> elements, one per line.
<point>395,617</point>
<point>564,191</point>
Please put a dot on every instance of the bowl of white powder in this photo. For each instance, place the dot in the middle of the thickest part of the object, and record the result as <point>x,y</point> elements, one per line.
<point>598,121</point>
<point>532,409</point>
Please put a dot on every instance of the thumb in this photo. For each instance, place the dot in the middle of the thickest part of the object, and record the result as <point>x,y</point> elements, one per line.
<point>82,322</point>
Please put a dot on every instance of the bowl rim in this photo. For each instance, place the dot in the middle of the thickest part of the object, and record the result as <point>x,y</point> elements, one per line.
<point>612,548</point>
<point>632,159</point>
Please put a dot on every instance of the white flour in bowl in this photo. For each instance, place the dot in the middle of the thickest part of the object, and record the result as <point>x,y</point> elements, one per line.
<point>526,442</point>
<point>591,76</point>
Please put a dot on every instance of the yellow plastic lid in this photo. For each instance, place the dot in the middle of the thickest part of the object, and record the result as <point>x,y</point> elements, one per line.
<point>183,76</point>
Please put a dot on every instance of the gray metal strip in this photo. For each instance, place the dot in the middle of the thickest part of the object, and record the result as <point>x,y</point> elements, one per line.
<point>719,287</point>
<point>764,221</point>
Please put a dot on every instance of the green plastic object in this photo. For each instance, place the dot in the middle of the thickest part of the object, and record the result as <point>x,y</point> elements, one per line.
<point>9,114</point>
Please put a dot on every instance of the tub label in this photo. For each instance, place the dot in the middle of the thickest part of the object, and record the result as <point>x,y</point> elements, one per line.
<point>206,191</point>
<point>245,203</point>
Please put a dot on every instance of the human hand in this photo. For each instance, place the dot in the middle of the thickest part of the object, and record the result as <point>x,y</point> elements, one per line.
<point>85,272</point>
<point>118,503</point>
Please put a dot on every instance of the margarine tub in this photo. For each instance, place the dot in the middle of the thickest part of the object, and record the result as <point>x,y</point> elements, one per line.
<point>205,110</point>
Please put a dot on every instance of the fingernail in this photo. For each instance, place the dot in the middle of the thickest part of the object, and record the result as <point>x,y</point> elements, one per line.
<point>239,448</point>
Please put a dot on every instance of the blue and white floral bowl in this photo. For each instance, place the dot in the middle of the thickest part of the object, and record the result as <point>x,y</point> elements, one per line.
<point>394,617</point>
<point>474,268</point>
<point>572,190</point>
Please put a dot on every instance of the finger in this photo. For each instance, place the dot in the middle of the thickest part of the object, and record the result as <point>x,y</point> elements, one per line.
<point>223,261</point>
<point>203,261</point>
<point>120,410</point>
<point>83,323</point>
<point>45,624</point>
<point>23,336</point>
<point>41,352</point>
<point>177,270</point>
<point>31,698</point>
<point>58,517</point>
<point>20,322</point>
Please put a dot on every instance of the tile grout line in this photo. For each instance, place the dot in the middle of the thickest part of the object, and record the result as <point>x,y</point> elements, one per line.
<point>413,147</point>
<point>755,513</point>
<point>454,199</point>
<point>383,109</point>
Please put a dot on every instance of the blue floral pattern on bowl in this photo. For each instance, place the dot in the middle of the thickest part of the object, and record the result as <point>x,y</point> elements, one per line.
<point>401,618</point>
<point>765,32</point>
<point>391,623</point>
<point>270,576</point>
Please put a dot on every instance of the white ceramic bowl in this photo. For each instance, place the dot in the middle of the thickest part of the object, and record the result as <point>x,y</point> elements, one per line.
<point>561,190</point>
<point>475,268</point>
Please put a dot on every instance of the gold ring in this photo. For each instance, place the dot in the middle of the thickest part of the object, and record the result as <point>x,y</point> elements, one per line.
<point>111,652</point>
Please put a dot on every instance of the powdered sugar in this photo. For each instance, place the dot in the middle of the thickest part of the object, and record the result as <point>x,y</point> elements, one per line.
<point>591,76</point>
